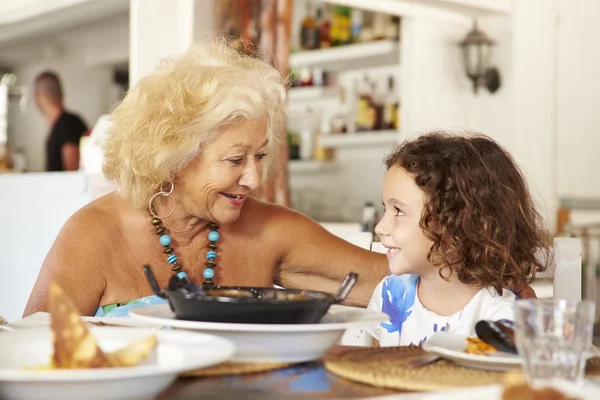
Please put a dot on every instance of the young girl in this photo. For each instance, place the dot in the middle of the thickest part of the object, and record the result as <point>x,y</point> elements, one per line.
<point>459,226</point>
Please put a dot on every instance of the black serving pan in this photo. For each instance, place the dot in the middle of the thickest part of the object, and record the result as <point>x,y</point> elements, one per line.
<point>252,305</point>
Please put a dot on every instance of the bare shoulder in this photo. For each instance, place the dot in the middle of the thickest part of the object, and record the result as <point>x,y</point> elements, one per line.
<point>78,259</point>
<point>94,219</point>
<point>93,233</point>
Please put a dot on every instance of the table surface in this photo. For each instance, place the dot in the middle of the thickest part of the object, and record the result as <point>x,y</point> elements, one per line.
<point>303,381</point>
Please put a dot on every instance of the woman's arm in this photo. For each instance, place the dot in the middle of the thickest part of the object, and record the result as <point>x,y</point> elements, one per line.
<point>312,258</point>
<point>77,262</point>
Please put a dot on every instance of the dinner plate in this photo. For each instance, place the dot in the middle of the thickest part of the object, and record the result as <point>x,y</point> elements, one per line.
<point>588,391</point>
<point>450,346</point>
<point>272,342</point>
<point>25,353</point>
<point>42,320</point>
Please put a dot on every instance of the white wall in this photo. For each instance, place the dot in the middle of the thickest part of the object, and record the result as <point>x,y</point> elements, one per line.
<point>546,113</point>
<point>578,99</point>
<point>32,210</point>
<point>82,58</point>
<point>534,96</point>
<point>339,192</point>
<point>520,115</point>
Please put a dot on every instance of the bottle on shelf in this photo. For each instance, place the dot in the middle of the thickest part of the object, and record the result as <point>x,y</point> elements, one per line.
<point>293,145</point>
<point>340,26</point>
<point>324,27</point>
<point>391,109</point>
<point>305,76</point>
<point>309,30</point>
<point>323,153</point>
<point>393,29</point>
<point>339,120</point>
<point>366,31</point>
<point>369,218</point>
<point>307,140</point>
<point>356,24</point>
<point>380,26</point>
<point>375,108</point>
<point>319,77</point>
<point>363,111</point>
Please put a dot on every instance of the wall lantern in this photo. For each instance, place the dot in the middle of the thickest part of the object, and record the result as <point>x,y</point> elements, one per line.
<point>477,51</point>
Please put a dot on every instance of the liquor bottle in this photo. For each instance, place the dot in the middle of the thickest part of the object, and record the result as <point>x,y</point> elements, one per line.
<point>376,104</point>
<point>390,111</point>
<point>324,28</point>
<point>293,145</point>
<point>363,107</point>
<point>339,120</point>
<point>309,31</point>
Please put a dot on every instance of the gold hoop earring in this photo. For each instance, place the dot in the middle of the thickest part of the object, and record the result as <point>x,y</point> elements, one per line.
<point>163,193</point>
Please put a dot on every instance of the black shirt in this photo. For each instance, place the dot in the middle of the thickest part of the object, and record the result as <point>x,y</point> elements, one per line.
<point>68,128</point>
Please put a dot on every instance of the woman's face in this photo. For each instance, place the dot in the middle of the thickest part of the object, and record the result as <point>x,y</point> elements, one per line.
<point>216,184</point>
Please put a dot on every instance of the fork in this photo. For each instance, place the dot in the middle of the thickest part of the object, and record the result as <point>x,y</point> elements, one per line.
<point>423,360</point>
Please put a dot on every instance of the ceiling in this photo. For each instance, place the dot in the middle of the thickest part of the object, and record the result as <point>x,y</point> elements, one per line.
<point>12,11</point>
<point>23,20</point>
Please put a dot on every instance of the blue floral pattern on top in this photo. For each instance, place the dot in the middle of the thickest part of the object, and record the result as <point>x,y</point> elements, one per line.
<point>122,309</point>
<point>398,297</point>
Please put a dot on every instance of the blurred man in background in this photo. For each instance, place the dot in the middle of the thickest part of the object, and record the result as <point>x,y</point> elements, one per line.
<point>66,129</point>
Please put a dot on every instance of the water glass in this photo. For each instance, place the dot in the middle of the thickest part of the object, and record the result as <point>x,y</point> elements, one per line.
<point>553,338</point>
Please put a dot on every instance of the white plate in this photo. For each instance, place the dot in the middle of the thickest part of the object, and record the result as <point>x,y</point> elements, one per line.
<point>451,347</point>
<point>588,391</point>
<point>176,351</point>
<point>269,342</point>
<point>42,319</point>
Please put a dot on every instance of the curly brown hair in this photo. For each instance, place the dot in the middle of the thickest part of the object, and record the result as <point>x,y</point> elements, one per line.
<point>479,212</point>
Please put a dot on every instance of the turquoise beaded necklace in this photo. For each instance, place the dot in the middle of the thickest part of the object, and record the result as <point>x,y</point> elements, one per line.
<point>211,254</point>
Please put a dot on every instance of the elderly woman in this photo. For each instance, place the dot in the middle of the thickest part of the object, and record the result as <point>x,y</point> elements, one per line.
<point>187,148</point>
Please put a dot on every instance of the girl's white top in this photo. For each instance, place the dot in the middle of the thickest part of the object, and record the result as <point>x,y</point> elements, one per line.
<point>411,323</point>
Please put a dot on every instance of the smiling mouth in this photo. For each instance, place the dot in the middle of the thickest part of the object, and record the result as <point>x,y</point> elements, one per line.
<point>392,251</point>
<point>234,196</point>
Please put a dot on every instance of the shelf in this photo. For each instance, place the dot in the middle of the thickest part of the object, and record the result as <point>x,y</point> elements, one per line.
<point>360,55</point>
<point>310,93</point>
<point>363,139</point>
<point>306,166</point>
<point>456,11</point>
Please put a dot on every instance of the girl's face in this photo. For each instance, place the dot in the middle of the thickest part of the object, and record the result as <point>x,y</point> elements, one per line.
<point>399,229</point>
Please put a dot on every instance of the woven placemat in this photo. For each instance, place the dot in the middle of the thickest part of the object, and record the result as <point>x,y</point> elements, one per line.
<point>234,368</point>
<point>385,367</point>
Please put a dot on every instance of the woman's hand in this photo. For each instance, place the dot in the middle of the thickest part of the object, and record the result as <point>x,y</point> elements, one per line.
<point>527,293</point>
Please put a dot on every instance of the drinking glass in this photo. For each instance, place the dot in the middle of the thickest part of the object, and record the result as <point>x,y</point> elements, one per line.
<point>553,338</point>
